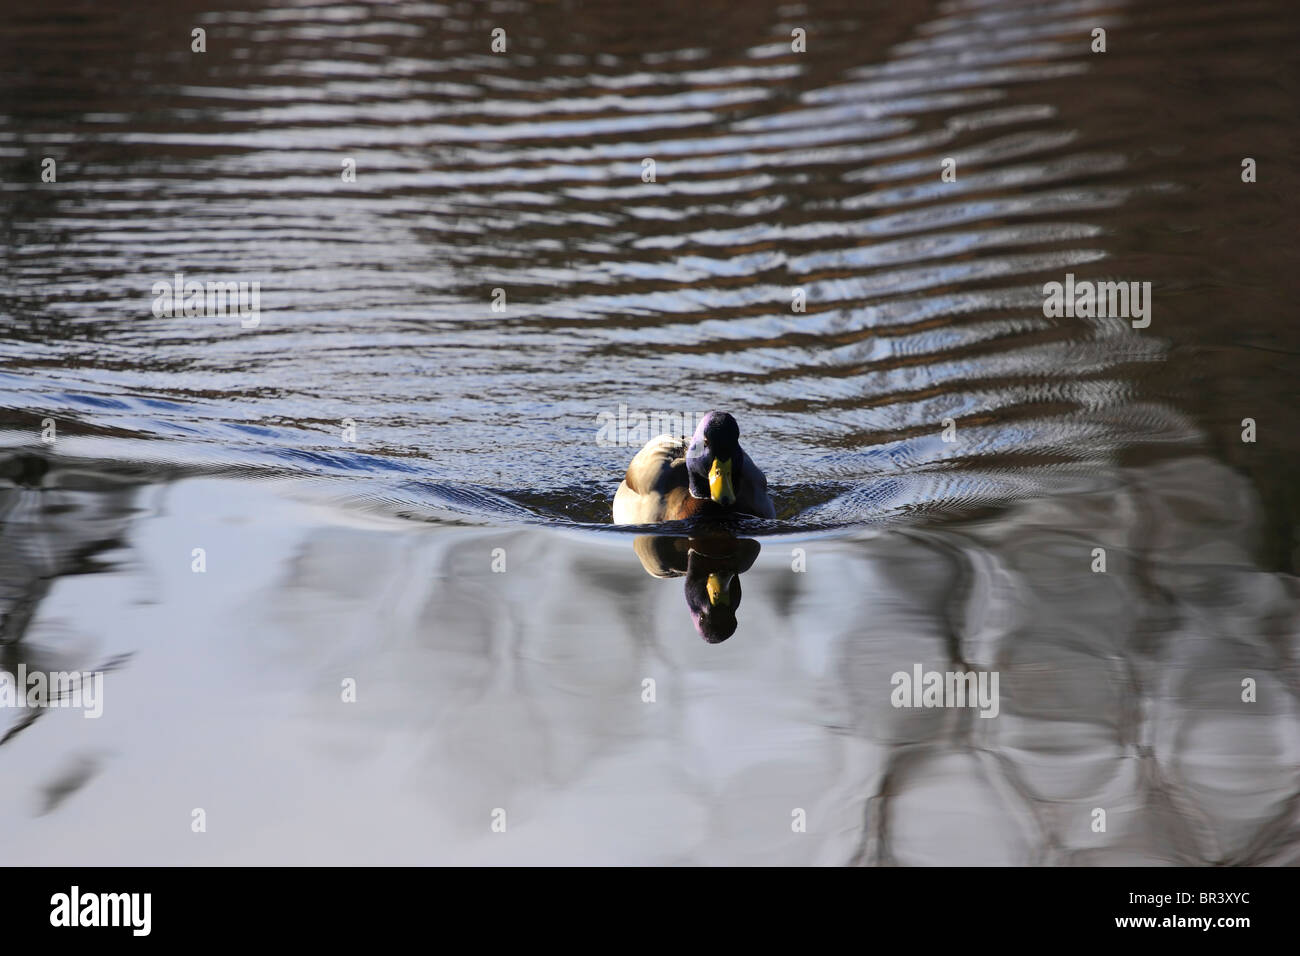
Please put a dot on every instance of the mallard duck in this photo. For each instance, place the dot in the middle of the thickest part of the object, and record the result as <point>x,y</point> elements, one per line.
<point>669,479</point>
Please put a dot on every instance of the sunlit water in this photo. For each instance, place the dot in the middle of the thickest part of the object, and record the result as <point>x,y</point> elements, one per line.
<point>454,558</point>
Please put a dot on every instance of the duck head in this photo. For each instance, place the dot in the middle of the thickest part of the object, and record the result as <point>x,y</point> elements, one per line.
<point>714,461</point>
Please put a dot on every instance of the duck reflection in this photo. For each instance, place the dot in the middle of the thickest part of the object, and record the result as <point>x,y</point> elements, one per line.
<point>712,565</point>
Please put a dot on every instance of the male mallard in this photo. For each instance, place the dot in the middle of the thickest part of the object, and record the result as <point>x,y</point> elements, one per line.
<point>669,480</point>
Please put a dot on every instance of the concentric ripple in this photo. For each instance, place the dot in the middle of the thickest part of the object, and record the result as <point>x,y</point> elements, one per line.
<point>778,175</point>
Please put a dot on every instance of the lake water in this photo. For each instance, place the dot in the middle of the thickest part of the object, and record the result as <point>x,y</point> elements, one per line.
<point>414,620</point>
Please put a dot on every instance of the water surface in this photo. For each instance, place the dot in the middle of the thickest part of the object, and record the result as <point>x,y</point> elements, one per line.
<point>455,559</point>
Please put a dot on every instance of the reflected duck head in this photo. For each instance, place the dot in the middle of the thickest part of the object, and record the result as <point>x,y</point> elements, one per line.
<point>713,598</point>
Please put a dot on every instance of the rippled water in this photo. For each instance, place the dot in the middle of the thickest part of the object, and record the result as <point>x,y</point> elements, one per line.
<point>777,175</point>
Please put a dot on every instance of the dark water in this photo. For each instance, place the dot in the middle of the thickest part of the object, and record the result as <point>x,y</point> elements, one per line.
<point>448,559</point>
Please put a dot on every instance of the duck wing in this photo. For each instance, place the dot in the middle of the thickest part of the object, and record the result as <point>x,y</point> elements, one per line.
<point>659,467</point>
<point>656,485</point>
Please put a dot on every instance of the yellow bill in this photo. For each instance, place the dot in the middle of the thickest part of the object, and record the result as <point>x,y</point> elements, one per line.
<point>719,588</point>
<point>720,483</point>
